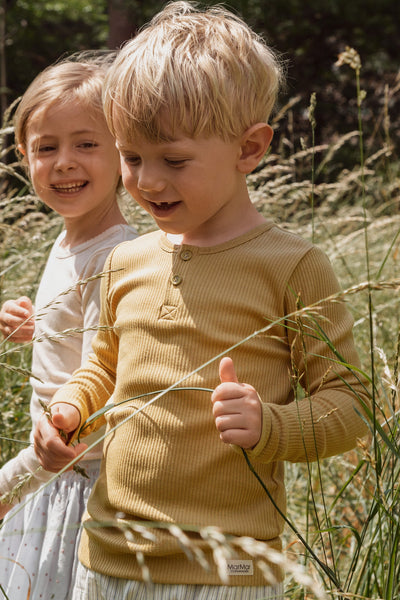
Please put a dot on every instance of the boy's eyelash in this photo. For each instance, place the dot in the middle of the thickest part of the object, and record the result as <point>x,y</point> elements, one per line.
<point>172,162</point>
<point>175,162</point>
<point>131,159</point>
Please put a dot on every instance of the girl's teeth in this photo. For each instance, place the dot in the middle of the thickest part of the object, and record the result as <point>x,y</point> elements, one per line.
<point>68,187</point>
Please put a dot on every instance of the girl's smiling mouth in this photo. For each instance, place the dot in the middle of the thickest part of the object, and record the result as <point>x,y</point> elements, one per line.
<point>69,188</point>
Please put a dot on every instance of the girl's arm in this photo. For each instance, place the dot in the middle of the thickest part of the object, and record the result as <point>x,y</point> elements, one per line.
<point>51,438</point>
<point>21,475</point>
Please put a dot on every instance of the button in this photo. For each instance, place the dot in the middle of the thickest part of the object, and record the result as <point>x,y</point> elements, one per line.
<point>176,279</point>
<point>186,254</point>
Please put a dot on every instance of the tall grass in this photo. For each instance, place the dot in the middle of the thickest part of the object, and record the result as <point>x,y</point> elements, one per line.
<point>343,529</point>
<point>348,505</point>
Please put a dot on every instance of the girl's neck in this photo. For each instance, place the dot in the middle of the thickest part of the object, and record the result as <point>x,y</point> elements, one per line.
<point>79,231</point>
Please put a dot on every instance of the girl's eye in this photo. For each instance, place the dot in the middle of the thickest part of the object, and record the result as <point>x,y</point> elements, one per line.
<point>89,145</point>
<point>45,148</point>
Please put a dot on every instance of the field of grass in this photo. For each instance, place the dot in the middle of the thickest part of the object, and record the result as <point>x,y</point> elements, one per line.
<point>343,526</point>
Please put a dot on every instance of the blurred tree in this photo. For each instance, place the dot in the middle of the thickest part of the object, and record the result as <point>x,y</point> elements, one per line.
<point>3,68</point>
<point>310,35</point>
<point>127,16</point>
<point>37,32</point>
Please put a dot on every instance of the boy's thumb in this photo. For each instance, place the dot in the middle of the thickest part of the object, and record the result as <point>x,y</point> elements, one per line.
<point>227,371</point>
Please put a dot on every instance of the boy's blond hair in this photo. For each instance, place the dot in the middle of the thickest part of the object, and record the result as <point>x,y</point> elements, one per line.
<point>77,78</point>
<point>201,72</point>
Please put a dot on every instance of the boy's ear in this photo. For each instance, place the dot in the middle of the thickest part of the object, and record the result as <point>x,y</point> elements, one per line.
<point>253,145</point>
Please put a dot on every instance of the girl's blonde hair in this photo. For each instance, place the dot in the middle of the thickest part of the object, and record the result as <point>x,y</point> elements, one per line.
<point>79,77</point>
<point>202,72</point>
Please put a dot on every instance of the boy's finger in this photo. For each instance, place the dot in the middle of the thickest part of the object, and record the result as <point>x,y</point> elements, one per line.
<point>227,371</point>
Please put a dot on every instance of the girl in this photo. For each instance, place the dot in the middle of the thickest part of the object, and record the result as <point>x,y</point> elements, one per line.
<point>64,142</point>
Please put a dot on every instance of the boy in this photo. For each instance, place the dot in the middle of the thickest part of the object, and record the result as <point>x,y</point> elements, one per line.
<point>188,101</point>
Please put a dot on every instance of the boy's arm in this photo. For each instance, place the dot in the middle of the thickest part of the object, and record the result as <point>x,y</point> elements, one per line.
<point>91,292</point>
<point>92,289</point>
<point>331,417</point>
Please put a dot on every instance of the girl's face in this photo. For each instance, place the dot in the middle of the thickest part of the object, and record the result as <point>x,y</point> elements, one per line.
<point>73,161</point>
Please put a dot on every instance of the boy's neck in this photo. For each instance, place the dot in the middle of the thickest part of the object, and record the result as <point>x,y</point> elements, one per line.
<point>218,237</point>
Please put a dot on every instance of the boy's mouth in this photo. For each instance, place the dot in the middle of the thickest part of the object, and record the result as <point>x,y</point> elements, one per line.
<point>163,207</point>
<point>69,188</point>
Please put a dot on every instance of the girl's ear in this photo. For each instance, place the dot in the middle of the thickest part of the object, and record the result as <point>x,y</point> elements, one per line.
<point>21,149</point>
<point>253,145</point>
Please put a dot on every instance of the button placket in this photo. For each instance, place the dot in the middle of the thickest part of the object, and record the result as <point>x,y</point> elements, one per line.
<point>176,280</point>
<point>173,298</point>
<point>186,255</point>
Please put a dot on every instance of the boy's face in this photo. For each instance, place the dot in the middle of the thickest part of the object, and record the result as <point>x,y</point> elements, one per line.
<point>191,187</point>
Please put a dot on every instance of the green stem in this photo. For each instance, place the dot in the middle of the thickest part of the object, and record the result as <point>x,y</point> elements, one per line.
<point>331,575</point>
<point>108,407</point>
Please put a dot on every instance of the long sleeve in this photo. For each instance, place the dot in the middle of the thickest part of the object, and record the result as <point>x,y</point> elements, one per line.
<point>94,382</point>
<point>67,300</point>
<point>27,466</point>
<point>329,417</point>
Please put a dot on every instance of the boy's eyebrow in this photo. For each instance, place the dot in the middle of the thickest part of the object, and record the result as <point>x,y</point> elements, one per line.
<point>121,147</point>
<point>177,144</point>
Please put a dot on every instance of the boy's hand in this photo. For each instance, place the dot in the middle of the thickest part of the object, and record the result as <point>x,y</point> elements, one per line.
<point>50,439</point>
<point>15,323</point>
<point>236,408</point>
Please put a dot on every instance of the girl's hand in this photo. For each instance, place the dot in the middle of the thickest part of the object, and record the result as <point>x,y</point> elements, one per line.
<point>16,321</point>
<point>4,509</point>
<point>236,408</point>
<point>51,437</point>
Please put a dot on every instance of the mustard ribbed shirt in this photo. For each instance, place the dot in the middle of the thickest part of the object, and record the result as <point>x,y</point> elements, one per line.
<point>169,310</point>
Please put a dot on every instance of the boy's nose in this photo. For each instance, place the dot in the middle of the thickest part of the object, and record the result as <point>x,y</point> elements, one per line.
<point>149,180</point>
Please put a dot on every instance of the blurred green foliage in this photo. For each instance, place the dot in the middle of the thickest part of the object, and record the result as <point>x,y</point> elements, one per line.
<point>309,36</point>
<point>37,32</point>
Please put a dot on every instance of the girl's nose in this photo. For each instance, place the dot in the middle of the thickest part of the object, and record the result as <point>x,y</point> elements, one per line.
<point>64,160</point>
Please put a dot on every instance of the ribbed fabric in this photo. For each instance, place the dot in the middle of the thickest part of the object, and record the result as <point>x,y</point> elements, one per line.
<point>95,586</point>
<point>171,309</point>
